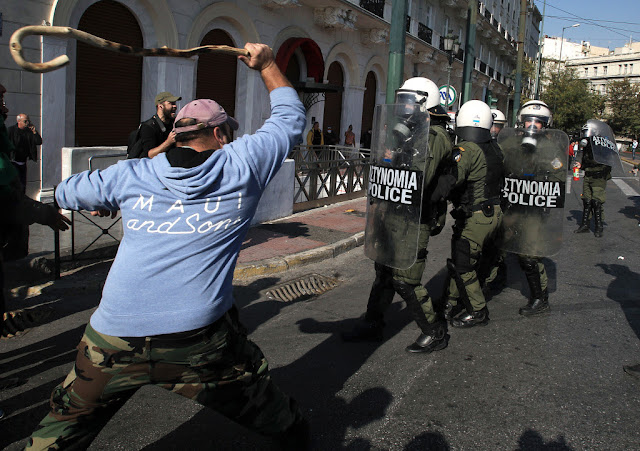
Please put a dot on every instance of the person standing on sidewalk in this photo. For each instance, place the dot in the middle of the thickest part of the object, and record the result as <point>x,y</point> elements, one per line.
<point>155,135</point>
<point>634,147</point>
<point>171,322</point>
<point>25,139</point>
<point>408,283</point>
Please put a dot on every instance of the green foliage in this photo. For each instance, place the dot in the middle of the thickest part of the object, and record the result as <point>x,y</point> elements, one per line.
<point>571,100</point>
<point>623,102</point>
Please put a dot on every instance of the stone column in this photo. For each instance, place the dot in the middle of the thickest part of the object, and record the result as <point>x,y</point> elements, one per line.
<point>57,116</point>
<point>352,104</point>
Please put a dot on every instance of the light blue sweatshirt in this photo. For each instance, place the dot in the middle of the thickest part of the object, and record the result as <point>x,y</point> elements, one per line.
<point>183,227</point>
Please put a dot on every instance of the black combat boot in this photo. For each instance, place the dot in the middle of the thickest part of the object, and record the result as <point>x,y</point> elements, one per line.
<point>535,306</point>
<point>477,318</point>
<point>538,299</point>
<point>365,331</point>
<point>597,218</point>
<point>586,217</point>
<point>433,338</point>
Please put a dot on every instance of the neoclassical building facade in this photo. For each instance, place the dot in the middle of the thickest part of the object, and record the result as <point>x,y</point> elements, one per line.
<point>335,55</point>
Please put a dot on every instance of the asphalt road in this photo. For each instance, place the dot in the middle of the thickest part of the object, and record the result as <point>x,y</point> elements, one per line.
<point>553,382</point>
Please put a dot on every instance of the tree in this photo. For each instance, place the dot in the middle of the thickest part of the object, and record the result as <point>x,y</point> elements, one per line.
<point>571,100</point>
<point>623,98</point>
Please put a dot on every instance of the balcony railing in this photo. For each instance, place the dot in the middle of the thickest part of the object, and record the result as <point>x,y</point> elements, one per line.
<point>425,33</point>
<point>490,73</point>
<point>483,67</point>
<point>373,6</point>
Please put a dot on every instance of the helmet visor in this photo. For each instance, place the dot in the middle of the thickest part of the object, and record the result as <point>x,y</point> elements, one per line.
<point>535,122</point>
<point>410,97</point>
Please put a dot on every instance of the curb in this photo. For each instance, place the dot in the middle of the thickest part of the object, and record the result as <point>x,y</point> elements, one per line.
<point>280,264</point>
<point>242,272</point>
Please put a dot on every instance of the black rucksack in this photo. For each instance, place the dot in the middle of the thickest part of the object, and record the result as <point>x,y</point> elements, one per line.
<point>134,143</point>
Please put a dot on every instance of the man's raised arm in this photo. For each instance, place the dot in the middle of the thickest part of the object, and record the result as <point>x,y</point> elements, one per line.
<point>262,60</point>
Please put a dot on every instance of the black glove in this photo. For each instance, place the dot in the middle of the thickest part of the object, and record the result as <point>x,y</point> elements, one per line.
<point>442,189</point>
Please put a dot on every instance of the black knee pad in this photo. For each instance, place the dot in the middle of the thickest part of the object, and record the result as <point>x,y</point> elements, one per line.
<point>461,255</point>
<point>383,274</point>
<point>528,264</point>
<point>404,289</point>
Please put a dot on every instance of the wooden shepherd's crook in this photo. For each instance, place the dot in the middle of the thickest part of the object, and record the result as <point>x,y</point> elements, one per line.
<point>15,45</point>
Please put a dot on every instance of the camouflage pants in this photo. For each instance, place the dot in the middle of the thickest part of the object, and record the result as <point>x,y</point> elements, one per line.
<point>383,289</point>
<point>216,366</point>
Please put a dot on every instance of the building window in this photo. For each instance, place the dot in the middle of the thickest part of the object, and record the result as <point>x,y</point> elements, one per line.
<point>619,69</point>
<point>427,15</point>
<point>595,71</point>
<point>586,71</point>
<point>604,70</point>
<point>630,68</point>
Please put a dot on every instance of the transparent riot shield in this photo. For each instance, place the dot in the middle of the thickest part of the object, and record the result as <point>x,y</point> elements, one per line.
<point>603,145</point>
<point>534,190</point>
<point>399,151</point>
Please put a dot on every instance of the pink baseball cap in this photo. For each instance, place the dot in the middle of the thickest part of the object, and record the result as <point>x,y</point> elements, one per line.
<point>207,113</point>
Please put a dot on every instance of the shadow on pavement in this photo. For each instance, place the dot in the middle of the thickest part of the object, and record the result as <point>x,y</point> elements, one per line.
<point>432,441</point>
<point>51,353</point>
<point>624,290</point>
<point>532,441</point>
<point>632,211</point>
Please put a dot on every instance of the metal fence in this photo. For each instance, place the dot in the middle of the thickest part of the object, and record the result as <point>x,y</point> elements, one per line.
<point>328,174</point>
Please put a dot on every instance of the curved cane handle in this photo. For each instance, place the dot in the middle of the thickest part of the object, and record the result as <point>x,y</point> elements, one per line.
<point>15,46</point>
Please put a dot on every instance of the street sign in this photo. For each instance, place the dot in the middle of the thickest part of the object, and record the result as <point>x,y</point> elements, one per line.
<point>453,96</point>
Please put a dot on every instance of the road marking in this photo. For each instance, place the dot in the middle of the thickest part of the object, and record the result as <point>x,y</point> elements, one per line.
<point>626,189</point>
<point>567,189</point>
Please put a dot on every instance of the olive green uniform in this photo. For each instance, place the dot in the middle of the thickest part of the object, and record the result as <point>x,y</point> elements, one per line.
<point>593,191</point>
<point>543,162</point>
<point>476,199</point>
<point>407,282</point>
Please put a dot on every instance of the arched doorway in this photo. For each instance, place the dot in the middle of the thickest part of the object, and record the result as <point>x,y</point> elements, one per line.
<point>216,77</point>
<point>293,69</point>
<point>108,84</point>
<point>368,107</point>
<point>333,100</point>
<point>312,55</point>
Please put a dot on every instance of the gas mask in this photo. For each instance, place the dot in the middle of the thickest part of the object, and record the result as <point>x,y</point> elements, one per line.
<point>531,132</point>
<point>403,131</point>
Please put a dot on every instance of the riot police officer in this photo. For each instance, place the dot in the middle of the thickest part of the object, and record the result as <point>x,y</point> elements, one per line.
<point>422,94</point>
<point>594,185</point>
<point>474,186</point>
<point>499,121</point>
<point>535,159</point>
<point>493,276</point>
